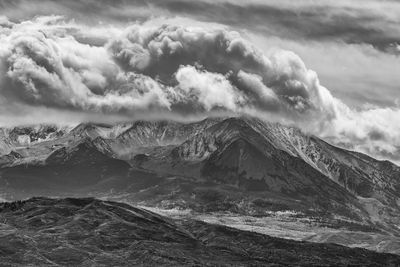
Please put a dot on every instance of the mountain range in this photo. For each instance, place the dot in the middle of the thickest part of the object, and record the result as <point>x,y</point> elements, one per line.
<point>238,165</point>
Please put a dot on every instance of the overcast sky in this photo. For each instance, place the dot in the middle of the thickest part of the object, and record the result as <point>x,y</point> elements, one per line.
<point>330,67</point>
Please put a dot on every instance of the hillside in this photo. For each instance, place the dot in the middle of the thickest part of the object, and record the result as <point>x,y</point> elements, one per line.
<point>82,232</point>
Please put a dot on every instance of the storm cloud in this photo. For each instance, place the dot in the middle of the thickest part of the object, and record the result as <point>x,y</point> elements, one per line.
<point>321,32</point>
<point>373,22</point>
<point>149,67</point>
<point>131,64</point>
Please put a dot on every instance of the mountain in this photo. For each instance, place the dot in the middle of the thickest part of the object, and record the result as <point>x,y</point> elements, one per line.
<point>357,173</point>
<point>237,165</point>
<point>235,153</point>
<point>143,135</point>
<point>94,130</point>
<point>242,152</point>
<point>267,157</point>
<point>27,135</point>
<point>67,168</point>
<point>90,232</point>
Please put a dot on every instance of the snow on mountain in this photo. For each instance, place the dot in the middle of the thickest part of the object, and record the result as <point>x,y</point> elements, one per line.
<point>11,138</point>
<point>243,152</point>
<point>105,131</point>
<point>157,133</point>
<point>240,164</point>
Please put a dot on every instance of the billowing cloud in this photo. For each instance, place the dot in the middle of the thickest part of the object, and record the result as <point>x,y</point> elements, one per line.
<point>153,67</point>
<point>50,63</point>
<point>321,32</point>
<point>374,131</point>
<point>208,89</point>
<point>259,92</point>
<point>159,52</point>
<point>374,22</point>
<point>44,65</point>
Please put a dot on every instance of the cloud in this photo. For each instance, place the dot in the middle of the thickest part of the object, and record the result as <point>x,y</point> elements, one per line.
<point>159,52</point>
<point>51,68</point>
<point>50,64</point>
<point>339,69</point>
<point>44,64</point>
<point>318,31</point>
<point>207,89</point>
<point>262,96</point>
<point>372,22</point>
<point>374,131</point>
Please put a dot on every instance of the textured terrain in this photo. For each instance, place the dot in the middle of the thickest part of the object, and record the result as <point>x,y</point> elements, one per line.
<point>89,232</point>
<point>219,167</point>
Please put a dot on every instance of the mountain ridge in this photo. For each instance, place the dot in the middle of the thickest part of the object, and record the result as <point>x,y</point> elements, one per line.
<point>236,164</point>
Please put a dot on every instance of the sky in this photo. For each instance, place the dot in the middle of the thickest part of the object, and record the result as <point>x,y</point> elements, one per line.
<point>329,67</point>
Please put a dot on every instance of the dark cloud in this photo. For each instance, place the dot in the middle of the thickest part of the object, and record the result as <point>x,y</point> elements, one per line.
<point>159,52</point>
<point>376,135</point>
<point>149,67</point>
<point>351,23</point>
<point>89,11</point>
<point>114,59</point>
<point>393,156</point>
<point>319,22</point>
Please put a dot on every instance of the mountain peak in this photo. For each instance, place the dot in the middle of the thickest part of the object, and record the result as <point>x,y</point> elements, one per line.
<point>246,153</point>
<point>85,150</point>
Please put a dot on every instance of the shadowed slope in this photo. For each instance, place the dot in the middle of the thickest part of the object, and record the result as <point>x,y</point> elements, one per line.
<point>81,232</point>
<point>67,168</point>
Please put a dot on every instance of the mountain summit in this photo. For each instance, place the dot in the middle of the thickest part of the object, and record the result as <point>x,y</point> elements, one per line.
<point>240,164</point>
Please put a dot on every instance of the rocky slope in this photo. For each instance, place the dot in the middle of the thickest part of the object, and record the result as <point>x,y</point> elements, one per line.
<point>11,138</point>
<point>78,167</point>
<point>240,165</point>
<point>256,156</point>
<point>89,232</point>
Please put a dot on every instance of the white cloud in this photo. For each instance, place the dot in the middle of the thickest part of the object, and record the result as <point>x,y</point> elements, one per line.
<point>49,64</point>
<point>355,73</point>
<point>208,89</point>
<point>53,69</point>
<point>159,51</point>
